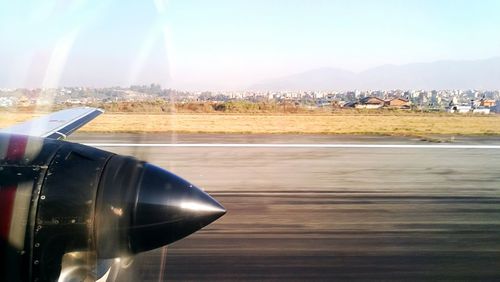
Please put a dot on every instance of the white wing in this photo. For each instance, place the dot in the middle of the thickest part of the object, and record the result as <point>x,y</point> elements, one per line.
<point>56,125</point>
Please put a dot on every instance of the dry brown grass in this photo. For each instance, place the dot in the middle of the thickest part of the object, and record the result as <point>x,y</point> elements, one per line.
<point>417,125</point>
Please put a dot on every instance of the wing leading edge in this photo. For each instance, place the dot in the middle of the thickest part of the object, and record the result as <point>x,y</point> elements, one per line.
<point>56,125</point>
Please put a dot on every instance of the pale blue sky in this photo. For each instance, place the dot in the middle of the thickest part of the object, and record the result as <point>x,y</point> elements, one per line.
<point>230,44</point>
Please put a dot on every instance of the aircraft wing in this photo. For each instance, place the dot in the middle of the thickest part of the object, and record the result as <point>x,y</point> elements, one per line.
<point>55,125</point>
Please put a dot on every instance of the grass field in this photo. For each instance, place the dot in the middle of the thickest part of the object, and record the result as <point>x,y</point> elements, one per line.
<point>415,124</point>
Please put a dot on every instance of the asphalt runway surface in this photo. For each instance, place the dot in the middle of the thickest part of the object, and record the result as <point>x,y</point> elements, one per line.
<point>321,214</point>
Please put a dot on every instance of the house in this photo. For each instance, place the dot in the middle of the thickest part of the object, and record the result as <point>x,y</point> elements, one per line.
<point>398,102</point>
<point>459,109</point>
<point>487,103</point>
<point>349,104</point>
<point>6,102</point>
<point>370,103</point>
<point>481,110</point>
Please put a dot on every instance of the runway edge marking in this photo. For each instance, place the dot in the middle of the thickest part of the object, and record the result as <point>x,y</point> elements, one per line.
<point>284,145</point>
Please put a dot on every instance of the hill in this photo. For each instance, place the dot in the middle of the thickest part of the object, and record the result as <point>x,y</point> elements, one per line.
<point>477,74</point>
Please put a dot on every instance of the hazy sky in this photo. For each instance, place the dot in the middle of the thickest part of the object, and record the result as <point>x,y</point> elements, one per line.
<point>230,44</point>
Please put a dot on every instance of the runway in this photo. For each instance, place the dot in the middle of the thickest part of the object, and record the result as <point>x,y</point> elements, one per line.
<point>322,213</point>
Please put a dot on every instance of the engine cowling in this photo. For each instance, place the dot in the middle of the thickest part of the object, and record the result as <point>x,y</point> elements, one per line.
<point>79,198</point>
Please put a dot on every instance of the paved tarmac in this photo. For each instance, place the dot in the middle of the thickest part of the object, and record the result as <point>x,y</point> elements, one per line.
<point>321,214</point>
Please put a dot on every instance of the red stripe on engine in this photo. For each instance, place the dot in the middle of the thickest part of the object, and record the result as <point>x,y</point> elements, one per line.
<point>17,147</point>
<point>15,152</point>
<point>7,197</point>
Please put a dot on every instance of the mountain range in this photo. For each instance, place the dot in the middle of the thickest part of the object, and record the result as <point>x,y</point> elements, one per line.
<point>474,74</point>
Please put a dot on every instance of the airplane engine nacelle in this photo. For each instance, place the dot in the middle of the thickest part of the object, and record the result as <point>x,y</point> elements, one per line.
<point>59,197</point>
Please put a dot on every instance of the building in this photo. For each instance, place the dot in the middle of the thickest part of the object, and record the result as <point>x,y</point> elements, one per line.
<point>487,103</point>
<point>6,102</point>
<point>370,103</point>
<point>481,110</point>
<point>398,102</point>
<point>460,109</point>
